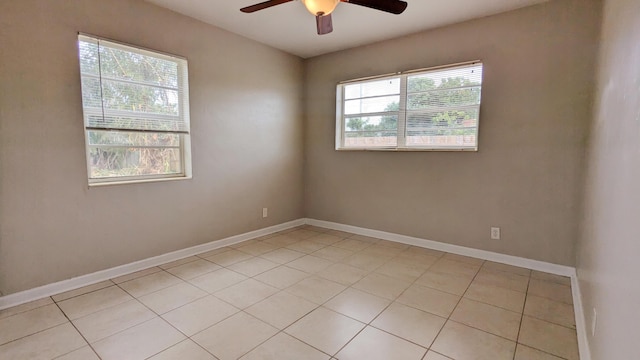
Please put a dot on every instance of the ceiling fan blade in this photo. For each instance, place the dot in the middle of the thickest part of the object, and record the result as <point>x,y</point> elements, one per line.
<point>390,6</point>
<point>324,24</point>
<point>263,5</point>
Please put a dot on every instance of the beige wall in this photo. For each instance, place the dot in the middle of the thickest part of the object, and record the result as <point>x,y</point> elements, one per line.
<point>608,265</point>
<point>526,177</point>
<point>246,115</point>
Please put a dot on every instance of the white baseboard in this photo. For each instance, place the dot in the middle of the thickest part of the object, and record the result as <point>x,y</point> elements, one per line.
<point>84,280</point>
<point>454,249</point>
<point>581,325</point>
<point>40,292</point>
<point>569,271</point>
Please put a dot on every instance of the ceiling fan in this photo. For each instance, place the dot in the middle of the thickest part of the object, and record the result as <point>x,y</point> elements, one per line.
<point>322,9</point>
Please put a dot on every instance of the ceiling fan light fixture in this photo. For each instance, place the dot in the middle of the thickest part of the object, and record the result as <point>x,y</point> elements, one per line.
<point>320,7</point>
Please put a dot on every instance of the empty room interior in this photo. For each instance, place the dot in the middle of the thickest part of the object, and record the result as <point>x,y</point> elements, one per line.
<point>319,179</point>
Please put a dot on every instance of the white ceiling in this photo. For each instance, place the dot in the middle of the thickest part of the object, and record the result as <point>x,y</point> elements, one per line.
<point>291,28</point>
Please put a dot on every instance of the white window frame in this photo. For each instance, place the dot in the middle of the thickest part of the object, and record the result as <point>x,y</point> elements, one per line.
<point>401,113</point>
<point>184,136</point>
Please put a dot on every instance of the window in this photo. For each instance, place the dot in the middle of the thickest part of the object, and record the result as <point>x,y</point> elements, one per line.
<point>136,112</point>
<point>433,109</point>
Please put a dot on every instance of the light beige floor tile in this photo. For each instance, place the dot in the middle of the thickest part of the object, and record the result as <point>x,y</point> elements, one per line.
<point>301,234</point>
<point>551,311</point>
<point>95,301</point>
<point>366,261</point>
<point>500,297</point>
<point>382,285</point>
<point>392,244</point>
<point>217,280</point>
<point>327,238</point>
<point>352,244</point>
<point>221,250</point>
<point>432,355</point>
<point>316,289</point>
<point>455,267</point>
<point>562,280</point>
<point>452,283</point>
<point>325,330</point>
<point>281,240</point>
<point>281,309</point>
<point>551,338</point>
<point>178,262</point>
<point>186,350</point>
<point>229,257</point>
<point>422,262</point>
<point>333,253</point>
<point>199,315</point>
<point>253,267</point>
<point>109,321</point>
<point>149,283</point>
<point>409,323</point>
<point>420,252</point>
<point>382,251</point>
<point>490,265</point>
<point>340,234</point>
<point>282,277</point>
<point>462,258</point>
<point>81,291</point>
<point>430,300</point>
<point>235,336</point>
<point>139,342</point>
<point>282,256</point>
<point>502,279</point>
<point>172,297</point>
<point>357,304</point>
<point>526,353</point>
<point>45,345</point>
<point>306,246</point>
<point>489,318</point>
<point>343,274</point>
<point>317,229</point>
<point>84,353</point>
<point>25,307</point>
<point>137,274</point>
<point>363,238</point>
<point>310,264</point>
<point>284,347</point>
<point>258,248</point>
<point>29,322</point>
<point>244,243</point>
<point>400,270</point>
<point>246,293</point>
<point>193,269</point>
<point>373,344</point>
<point>551,291</point>
<point>461,342</point>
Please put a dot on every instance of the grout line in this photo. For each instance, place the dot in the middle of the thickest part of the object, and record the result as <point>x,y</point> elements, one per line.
<point>395,256</point>
<point>455,307</point>
<point>77,330</point>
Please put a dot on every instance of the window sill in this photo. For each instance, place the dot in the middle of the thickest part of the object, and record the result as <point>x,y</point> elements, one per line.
<point>138,181</point>
<point>411,149</point>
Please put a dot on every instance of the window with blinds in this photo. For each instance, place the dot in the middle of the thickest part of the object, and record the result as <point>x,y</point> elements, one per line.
<point>136,112</point>
<point>432,109</point>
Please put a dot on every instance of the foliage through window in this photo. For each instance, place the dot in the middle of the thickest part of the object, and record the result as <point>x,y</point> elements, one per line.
<point>433,109</point>
<point>136,112</point>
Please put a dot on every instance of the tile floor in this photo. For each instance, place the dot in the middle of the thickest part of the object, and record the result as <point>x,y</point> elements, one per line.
<point>307,293</point>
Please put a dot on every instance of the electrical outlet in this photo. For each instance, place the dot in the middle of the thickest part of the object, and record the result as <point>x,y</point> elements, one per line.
<point>265,212</point>
<point>495,233</point>
<point>594,320</point>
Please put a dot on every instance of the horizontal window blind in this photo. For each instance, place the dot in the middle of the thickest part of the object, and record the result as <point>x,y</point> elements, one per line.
<point>432,109</point>
<point>136,112</point>
<point>132,89</point>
